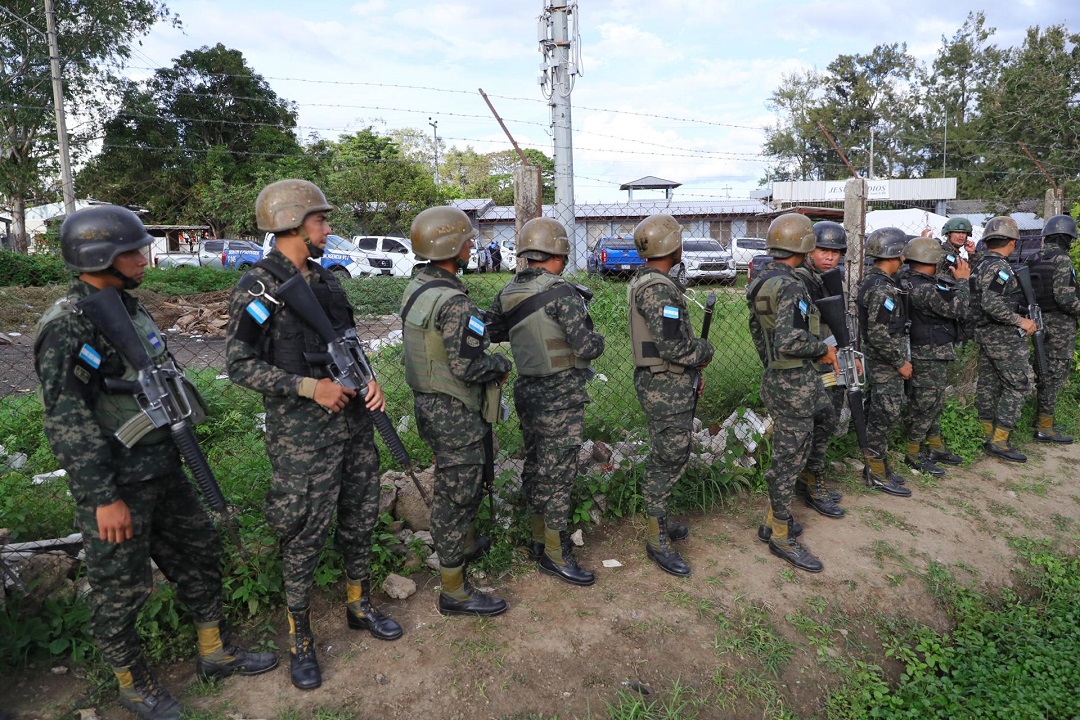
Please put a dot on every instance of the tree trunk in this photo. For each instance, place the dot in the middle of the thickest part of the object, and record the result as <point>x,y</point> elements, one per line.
<point>19,241</point>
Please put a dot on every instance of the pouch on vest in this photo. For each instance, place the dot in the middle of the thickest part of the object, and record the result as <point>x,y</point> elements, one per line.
<point>491,403</point>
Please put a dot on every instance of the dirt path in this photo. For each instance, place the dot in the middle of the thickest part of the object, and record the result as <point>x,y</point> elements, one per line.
<point>564,651</point>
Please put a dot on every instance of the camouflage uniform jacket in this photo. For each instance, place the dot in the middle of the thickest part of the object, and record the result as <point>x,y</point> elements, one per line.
<point>996,292</point>
<point>71,387</point>
<point>937,302</point>
<point>290,417</point>
<point>567,388</point>
<point>882,315</point>
<point>676,345</point>
<point>1064,286</point>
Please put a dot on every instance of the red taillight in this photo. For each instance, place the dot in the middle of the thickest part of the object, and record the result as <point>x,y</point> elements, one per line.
<point>223,254</point>
<point>603,257</point>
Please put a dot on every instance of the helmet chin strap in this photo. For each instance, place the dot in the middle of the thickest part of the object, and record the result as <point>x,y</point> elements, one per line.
<point>314,252</point>
<point>129,283</point>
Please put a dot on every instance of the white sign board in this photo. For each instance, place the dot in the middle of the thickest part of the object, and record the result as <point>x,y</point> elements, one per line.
<point>875,190</point>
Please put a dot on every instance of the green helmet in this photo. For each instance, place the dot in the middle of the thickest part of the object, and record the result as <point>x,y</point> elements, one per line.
<point>542,237</point>
<point>886,243</point>
<point>657,236</point>
<point>1001,228</point>
<point>924,250</point>
<point>956,224</point>
<point>830,236</point>
<point>439,232</point>
<point>284,204</point>
<point>91,238</point>
<point>790,233</point>
<point>1060,225</point>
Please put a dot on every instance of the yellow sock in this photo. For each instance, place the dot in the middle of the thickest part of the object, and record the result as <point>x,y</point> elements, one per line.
<point>913,449</point>
<point>209,634</point>
<point>1046,422</point>
<point>987,427</point>
<point>934,442</point>
<point>453,582</point>
<point>654,533</point>
<point>536,522</point>
<point>1001,436</point>
<point>553,545</point>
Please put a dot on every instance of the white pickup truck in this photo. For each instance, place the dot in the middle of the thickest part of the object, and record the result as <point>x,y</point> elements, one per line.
<point>211,253</point>
<point>744,249</point>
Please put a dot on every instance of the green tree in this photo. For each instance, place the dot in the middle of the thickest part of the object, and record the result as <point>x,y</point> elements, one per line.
<point>95,38</point>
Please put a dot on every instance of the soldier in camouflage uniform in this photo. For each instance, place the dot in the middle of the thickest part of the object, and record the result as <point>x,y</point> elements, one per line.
<point>957,239</point>
<point>668,361</point>
<point>830,243</point>
<point>1004,369</point>
<point>938,306</point>
<point>130,503</point>
<point>455,386</point>
<point>1058,295</point>
<point>787,334</point>
<point>552,337</point>
<point>883,323</point>
<point>318,433</point>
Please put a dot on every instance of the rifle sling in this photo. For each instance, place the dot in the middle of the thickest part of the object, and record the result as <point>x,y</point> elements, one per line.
<point>527,307</point>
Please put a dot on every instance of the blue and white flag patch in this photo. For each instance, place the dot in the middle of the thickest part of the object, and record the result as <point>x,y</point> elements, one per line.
<point>476,325</point>
<point>155,340</point>
<point>944,288</point>
<point>803,307</point>
<point>670,311</point>
<point>1004,275</point>
<point>889,304</point>
<point>257,310</point>
<point>90,356</point>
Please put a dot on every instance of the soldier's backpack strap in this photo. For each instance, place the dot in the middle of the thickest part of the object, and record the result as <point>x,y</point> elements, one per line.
<point>527,307</point>
<point>420,291</point>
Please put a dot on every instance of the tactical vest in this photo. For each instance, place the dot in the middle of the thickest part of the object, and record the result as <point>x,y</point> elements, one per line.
<point>427,367</point>
<point>1013,298</point>
<point>929,330</point>
<point>1042,279</point>
<point>763,297</point>
<point>112,410</point>
<point>287,351</point>
<point>641,338</point>
<point>539,343</point>
<point>897,317</point>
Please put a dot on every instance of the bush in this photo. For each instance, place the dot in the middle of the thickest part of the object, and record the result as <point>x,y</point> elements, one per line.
<point>21,270</point>
<point>188,280</point>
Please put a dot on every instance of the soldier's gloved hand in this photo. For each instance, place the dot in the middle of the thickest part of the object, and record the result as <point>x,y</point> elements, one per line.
<point>376,401</point>
<point>1028,326</point>
<point>114,522</point>
<point>332,396</point>
<point>701,386</point>
<point>905,370</point>
<point>961,271</point>
<point>829,358</point>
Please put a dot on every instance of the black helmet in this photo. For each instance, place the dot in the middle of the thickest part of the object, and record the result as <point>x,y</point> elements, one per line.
<point>830,236</point>
<point>91,238</point>
<point>1060,225</point>
<point>886,243</point>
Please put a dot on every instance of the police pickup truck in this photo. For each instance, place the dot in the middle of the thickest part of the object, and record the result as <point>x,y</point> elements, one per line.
<point>340,256</point>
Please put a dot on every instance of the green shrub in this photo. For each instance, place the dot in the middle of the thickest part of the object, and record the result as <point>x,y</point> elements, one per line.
<point>188,280</point>
<point>21,270</point>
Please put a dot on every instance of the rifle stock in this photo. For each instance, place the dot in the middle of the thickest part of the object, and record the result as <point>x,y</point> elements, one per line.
<point>1034,313</point>
<point>706,323</point>
<point>833,312</point>
<point>344,358</point>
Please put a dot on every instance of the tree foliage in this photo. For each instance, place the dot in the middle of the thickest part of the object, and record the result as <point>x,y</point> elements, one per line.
<point>467,173</point>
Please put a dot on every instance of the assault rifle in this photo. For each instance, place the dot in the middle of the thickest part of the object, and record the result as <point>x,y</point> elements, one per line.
<point>162,393</point>
<point>344,358</point>
<point>849,359</point>
<point>1034,313</point>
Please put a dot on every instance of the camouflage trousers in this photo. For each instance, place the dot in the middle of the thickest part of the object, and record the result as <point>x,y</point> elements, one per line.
<point>307,486</point>
<point>169,525</point>
<point>1004,383</point>
<point>456,437</point>
<point>928,383</point>
<point>1060,346</point>
<point>552,441</point>
<point>883,408</point>
<point>825,424</point>
<point>668,400</point>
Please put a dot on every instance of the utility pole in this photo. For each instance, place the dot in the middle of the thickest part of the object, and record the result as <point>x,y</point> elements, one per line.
<point>558,71</point>
<point>58,100</point>
<point>435,131</point>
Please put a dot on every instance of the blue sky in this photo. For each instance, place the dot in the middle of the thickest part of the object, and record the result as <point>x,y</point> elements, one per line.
<point>673,88</point>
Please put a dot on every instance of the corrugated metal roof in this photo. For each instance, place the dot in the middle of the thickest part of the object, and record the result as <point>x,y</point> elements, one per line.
<point>1024,220</point>
<point>478,204</point>
<point>649,182</point>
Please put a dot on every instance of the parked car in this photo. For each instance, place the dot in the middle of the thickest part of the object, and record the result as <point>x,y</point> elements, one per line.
<point>241,256</point>
<point>756,265</point>
<point>706,259</point>
<point>389,255</point>
<point>480,259</point>
<point>744,249</point>
<point>340,256</point>
<point>614,255</point>
<point>211,253</point>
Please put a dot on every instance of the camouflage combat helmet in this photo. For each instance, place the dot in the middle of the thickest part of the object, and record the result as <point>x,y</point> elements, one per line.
<point>1001,228</point>
<point>924,250</point>
<point>657,236</point>
<point>542,237</point>
<point>956,224</point>
<point>1060,225</point>
<point>284,204</point>
<point>830,236</point>
<point>438,233</point>
<point>91,238</point>
<point>790,233</point>
<point>886,243</point>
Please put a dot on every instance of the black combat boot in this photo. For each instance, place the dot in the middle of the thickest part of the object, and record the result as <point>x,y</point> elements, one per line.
<point>218,658</point>
<point>875,477</point>
<point>360,614</point>
<point>141,694</point>
<point>566,567</point>
<point>476,546</point>
<point>814,494</point>
<point>459,598</point>
<point>764,531</point>
<point>304,667</point>
<point>922,463</point>
<point>783,546</point>
<point>998,446</point>
<point>1046,432</point>
<point>659,549</point>
<point>938,453</point>
<point>808,478</point>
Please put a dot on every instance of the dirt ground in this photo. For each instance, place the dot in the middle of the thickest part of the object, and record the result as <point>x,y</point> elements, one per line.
<point>565,651</point>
